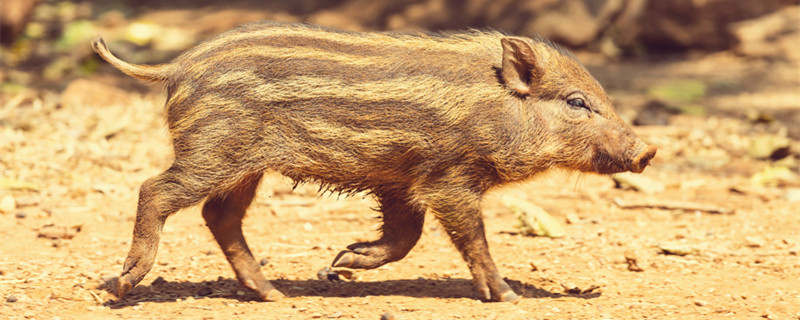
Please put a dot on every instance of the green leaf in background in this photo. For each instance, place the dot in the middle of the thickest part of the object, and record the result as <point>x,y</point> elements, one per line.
<point>764,146</point>
<point>685,91</point>
<point>76,33</point>
<point>692,109</point>
<point>89,66</point>
<point>34,30</point>
<point>775,176</point>
<point>681,96</point>
<point>16,184</point>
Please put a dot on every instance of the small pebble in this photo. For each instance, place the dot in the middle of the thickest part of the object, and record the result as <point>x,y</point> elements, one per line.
<point>21,215</point>
<point>11,299</point>
<point>700,303</point>
<point>387,316</point>
<point>264,261</point>
<point>327,274</point>
<point>322,274</point>
<point>573,218</point>
<point>755,242</point>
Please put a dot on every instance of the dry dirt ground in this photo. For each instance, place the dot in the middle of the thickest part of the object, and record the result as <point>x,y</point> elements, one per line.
<point>72,163</point>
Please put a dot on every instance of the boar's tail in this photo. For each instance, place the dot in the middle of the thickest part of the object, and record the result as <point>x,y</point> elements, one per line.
<point>154,73</point>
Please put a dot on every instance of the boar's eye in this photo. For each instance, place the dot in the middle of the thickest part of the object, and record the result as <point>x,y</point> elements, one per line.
<point>577,103</point>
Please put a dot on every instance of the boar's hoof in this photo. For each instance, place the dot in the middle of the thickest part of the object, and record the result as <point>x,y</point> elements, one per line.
<point>271,295</point>
<point>508,296</point>
<point>345,259</point>
<point>264,289</point>
<point>123,287</point>
<point>362,256</point>
<point>502,292</point>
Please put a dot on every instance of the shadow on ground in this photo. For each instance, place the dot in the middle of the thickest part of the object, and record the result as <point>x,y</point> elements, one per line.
<point>166,291</point>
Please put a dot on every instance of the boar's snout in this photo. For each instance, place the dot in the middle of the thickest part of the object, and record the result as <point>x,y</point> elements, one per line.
<point>641,160</point>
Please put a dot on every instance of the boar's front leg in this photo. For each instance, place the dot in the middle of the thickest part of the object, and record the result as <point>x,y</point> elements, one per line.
<point>458,210</point>
<point>402,226</point>
<point>223,215</point>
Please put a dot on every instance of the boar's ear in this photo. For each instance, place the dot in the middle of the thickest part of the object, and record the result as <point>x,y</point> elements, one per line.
<point>519,64</point>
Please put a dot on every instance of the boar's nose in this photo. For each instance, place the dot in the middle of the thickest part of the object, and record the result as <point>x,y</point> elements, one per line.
<point>643,159</point>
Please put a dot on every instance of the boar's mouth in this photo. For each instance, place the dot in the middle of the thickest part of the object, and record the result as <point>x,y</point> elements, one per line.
<point>604,163</point>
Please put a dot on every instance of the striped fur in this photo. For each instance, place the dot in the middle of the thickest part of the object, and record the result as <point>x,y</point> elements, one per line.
<point>334,80</point>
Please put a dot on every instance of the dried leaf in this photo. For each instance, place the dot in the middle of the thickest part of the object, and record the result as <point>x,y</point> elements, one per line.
<point>572,289</point>
<point>533,220</point>
<point>671,205</point>
<point>55,232</point>
<point>638,182</point>
<point>632,259</point>
<point>14,184</point>
<point>754,241</point>
<point>678,249</point>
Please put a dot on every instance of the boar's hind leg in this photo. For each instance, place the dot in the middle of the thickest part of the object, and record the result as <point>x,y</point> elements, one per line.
<point>459,213</point>
<point>402,226</point>
<point>159,197</point>
<point>223,215</point>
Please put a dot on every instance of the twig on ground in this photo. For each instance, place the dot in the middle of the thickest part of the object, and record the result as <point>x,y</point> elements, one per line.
<point>671,205</point>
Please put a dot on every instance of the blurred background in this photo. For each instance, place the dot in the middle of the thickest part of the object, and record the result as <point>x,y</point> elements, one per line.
<point>45,42</point>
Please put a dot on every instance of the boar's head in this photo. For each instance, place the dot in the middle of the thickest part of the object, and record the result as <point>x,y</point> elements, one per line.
<point>581,130</point>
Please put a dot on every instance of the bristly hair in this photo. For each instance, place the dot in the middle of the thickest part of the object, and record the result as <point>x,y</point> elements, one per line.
<point>560,49</point>
<point>330,188</point>
<point>537,38</point>
<point>433,35</point>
